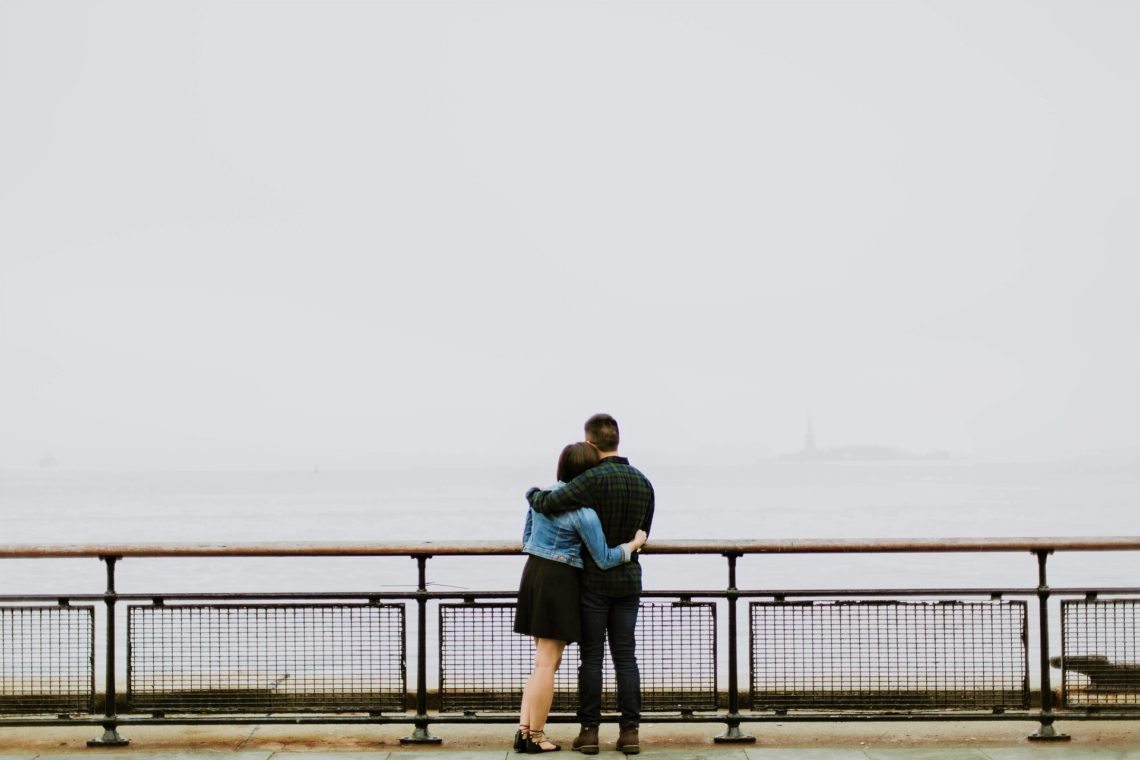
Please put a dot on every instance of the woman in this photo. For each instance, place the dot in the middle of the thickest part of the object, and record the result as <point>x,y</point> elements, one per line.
<point>548,594</point>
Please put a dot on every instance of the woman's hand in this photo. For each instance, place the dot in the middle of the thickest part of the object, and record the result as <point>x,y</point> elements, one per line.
<point>639,539</point>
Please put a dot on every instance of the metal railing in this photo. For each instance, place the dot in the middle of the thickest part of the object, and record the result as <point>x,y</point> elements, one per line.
<point>830,654</point>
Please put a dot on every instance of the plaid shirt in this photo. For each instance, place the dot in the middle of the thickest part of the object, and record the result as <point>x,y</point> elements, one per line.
<point>623,499</point>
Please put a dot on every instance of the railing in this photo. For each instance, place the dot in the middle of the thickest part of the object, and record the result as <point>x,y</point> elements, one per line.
<point>341,656</point>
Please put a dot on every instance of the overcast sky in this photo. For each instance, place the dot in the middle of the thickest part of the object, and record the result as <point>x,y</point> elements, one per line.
<point>256,234</point>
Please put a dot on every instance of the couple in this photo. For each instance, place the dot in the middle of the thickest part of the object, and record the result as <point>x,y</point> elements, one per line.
<point>568,594</point>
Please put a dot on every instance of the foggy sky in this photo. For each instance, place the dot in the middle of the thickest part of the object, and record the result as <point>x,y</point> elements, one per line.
<point>361,234</point>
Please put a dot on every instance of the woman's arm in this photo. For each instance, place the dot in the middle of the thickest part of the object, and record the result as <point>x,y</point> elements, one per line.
<point>589,527</point>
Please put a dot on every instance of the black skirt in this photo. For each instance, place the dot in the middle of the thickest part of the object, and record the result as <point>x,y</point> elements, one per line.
<point>548,601</point>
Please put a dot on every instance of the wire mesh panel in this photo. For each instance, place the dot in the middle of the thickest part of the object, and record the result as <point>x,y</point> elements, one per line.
<point>1100,653</point>
<point>676,645</point>
<point>47,660</point>
<point>484,663</point>
<point>880,654</point>
<point>266,658</point>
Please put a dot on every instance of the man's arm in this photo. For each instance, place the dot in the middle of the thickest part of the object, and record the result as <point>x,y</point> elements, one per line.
<point>579,492</point>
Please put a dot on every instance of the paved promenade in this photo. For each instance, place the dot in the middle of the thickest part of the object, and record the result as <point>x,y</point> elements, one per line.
<point>982,753</point>
<point>1103,740</point>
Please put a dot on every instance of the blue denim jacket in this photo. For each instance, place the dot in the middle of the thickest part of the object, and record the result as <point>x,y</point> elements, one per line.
<point>560,538</point>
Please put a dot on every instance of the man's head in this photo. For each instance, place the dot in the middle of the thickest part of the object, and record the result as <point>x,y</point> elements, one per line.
<point>602,431</point>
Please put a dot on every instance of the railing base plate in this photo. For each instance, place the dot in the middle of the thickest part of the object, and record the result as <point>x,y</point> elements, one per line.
<point>421,736</point>
<point>733,736</point>
<point>110,738</point>
<point>1048,734</point>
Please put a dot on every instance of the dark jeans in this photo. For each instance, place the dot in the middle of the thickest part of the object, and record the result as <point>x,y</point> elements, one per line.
<point>616,616</point>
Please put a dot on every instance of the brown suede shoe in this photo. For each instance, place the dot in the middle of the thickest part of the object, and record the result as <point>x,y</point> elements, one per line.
<point>587,741</point>
<point>627,741</point>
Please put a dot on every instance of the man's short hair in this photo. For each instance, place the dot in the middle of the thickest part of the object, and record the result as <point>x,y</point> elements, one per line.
<point>602,431</point>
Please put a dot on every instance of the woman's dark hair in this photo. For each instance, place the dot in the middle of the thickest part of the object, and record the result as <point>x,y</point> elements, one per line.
<point>576,459</point>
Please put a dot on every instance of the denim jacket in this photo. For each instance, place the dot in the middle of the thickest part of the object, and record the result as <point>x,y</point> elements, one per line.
<point>560,538</point>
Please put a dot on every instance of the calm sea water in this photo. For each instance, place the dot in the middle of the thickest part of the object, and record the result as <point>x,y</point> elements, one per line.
<point>768,500</point>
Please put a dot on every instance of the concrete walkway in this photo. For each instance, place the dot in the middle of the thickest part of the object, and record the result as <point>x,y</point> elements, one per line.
<point>787,753</point>
<point>1099,740</point>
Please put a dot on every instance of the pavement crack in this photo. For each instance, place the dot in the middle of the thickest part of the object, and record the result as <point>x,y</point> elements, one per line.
<point>245,741</point>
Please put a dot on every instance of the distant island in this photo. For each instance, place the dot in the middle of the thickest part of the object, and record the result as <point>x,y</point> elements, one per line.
<point>856,453</point>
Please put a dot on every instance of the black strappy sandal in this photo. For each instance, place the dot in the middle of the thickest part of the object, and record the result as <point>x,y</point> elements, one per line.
<point>534,743</point>
<point>520,738</point>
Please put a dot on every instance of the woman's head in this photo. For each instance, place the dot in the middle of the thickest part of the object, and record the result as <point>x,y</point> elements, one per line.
<point>576,459</point>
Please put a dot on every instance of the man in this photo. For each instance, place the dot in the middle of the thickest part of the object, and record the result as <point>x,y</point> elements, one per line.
<point>623,499</point>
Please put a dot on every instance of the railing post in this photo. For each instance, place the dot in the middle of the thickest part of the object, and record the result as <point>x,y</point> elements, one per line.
<point>1046,732</point>
<point>421,735</point>
<point>733,734</point>
<point>110,737</point>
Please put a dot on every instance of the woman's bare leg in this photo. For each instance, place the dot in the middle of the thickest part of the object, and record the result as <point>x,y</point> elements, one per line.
<point>524,709</point>
<point>539,692</point>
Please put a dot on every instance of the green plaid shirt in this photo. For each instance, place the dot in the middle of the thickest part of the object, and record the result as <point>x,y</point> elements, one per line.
<point>623,499</point>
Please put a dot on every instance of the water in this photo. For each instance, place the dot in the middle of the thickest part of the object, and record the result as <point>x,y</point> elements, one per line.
<point>769,500</point>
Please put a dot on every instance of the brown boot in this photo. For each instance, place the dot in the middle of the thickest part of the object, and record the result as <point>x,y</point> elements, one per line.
<point>628,742</point>
<point>587,741</point>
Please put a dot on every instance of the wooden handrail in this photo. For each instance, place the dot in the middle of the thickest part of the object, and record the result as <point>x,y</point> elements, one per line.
<point>484,548</point>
